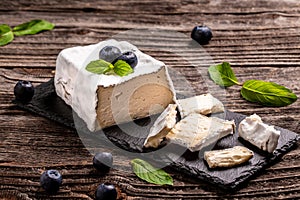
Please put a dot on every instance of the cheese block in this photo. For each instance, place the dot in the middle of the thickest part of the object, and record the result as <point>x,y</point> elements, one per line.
<point>227,157</point>
<point>161,127</point>
<point>263,136</point>
<point>203,104</point>
<point>104,100</point>
<point>196,131</point>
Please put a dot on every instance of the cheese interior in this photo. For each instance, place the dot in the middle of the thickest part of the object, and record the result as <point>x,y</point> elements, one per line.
<point>140,97</point>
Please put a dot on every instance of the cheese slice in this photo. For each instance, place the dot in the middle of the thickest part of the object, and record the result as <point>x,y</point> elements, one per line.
<point>104,100</point>
<point>263,136</point>
<point>196,131</point>
<point>203,104</point>
<point>161,127</point>
<point>227,157</point>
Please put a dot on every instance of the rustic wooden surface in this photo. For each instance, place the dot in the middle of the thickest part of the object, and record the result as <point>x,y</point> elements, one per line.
<point>260,38</point>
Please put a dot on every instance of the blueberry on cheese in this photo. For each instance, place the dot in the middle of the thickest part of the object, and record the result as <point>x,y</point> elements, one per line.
<point>128,57</point>
<point>109,53</point>
<point>261,135</point>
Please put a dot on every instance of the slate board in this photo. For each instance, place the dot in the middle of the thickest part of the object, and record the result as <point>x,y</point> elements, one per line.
<point>46,103</point>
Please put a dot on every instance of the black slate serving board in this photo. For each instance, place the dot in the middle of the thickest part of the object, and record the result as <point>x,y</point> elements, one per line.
<point>46,103</point>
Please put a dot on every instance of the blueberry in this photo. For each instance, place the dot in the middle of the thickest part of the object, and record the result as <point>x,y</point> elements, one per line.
<point>109,53</point>
<point>51,180</point>
<point>128,57</point>
<point>106,191</point>
<point>202,34</point>
<point>103,161</point>
<point>24,91</point>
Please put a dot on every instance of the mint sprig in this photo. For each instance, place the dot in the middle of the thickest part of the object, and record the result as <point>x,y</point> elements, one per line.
<point>120,68</point>
<point>147,172</point>
<point>223,75</point>
<point>6,34</point>
<point>29,28</point>
<point>267,93</point>
<point>258,91</point>
<point>32,27</point>
<point>99,67</point>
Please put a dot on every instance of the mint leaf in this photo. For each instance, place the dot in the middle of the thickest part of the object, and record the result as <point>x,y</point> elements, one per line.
<point>32,27</point>
<point>223,75</point>
<point>122,68</point>
<point>150,174</point>
<point>267,93</point>
<point>99,67</point>
<point>6,35</point>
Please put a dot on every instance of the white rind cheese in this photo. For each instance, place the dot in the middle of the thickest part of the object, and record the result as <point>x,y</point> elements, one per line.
<point>227,157</point>
<point>161,127</point>
<point>197,131</point>
<point>87,93</point>
<point>203,104</point>
<point>263,136</point>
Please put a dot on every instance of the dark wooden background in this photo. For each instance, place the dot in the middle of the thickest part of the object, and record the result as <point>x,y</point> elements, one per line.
<point>261,39</point>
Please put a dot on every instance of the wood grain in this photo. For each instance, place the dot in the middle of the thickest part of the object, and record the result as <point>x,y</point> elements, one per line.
<point>259,38</point>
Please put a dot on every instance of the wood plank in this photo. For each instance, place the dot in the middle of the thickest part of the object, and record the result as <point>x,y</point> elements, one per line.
<point>259,38</point>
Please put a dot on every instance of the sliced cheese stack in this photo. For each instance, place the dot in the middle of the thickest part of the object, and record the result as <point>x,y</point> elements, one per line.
<point>227,157</point>
<point>197,131</point>
<point>263,136</point>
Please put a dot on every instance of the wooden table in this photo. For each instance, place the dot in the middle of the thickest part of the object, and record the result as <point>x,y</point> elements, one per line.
<point>259,38</point>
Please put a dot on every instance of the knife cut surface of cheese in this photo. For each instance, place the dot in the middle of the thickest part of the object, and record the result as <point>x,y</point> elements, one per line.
<point>227,157</point>
<point>196,131</point>
<point>161,127</point>
<point>102,100</point>
<point>203,104</point>
<point>263,136</point>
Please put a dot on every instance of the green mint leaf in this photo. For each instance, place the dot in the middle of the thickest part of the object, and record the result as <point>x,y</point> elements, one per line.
<point>99,67</point>
<point>150,174</point>
<point>32,27</point>
<point>223,75</point>
<point>267,93</point>
<point>122,68</point>
<point>6,35</point>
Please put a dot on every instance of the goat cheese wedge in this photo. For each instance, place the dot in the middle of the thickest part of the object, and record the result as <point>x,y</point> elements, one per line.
<point>263,136</point>
<point>105,100</point>
<point>196,131</point>
<point>203,104</point>
<point>161,127</point>
<point>227,157</point>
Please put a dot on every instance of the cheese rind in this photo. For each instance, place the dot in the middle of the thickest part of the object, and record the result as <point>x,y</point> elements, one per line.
<point>81,89</point>
<point>203,104</point>
<point>161,127</point>
<point>263,136</point>
<point>197,131</point>
<point>227,157</point>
